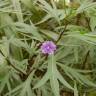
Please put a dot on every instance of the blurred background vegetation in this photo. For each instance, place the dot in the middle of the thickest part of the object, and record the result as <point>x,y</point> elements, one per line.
<point>25,25</point>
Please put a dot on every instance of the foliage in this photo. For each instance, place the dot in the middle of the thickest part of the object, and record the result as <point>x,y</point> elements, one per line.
<point>25,25</point>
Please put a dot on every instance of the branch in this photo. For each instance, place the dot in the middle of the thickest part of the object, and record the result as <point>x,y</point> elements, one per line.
<point>18,70</point>
<point>85,60</point>
<point>87,20</point>
<point>61,34</point>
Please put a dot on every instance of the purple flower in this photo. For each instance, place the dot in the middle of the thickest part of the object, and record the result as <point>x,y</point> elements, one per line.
<point>48,47</point>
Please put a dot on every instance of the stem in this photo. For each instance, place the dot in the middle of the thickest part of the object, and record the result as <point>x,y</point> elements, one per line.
<point>85,60</point>
<point>88,21</point>
<point>61,34</point>
<point>15,67</point>
<point>78,19</point>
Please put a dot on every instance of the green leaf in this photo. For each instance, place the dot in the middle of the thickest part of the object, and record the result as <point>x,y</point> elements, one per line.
<point>63,81</point>
<point>86,5</point>
<point>54,85</point>
<point>42,81</point>
<point>75,89</point>
<point>26,28</point>
<point>24,88</point>
<point>51,10</point>
<point>53,78</point>
<point>79,77</point>
<point>49,34</point>
<point>17,7</point>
